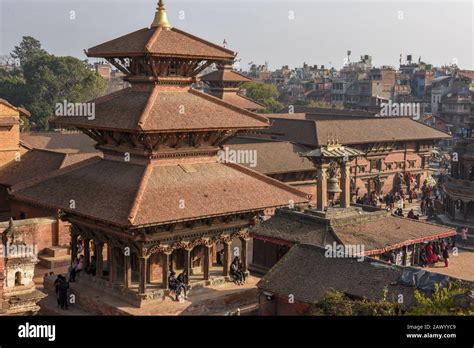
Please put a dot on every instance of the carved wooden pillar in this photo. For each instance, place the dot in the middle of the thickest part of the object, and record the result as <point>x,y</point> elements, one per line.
<point>99,260</point>
<point>244,254</point>
<point>187,261</point>
<point>322,187</point>
<point>346,185</point>
<point>127,272</point>
<point>87,253</point>
<point>112,262</point>
<point>74,237</point>
<point>165,269</point>
<point>227,256</point>
<point>142,261</point>
<point>207,262</point>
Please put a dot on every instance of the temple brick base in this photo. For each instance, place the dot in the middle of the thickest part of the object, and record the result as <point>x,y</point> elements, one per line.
<point>216,297</point>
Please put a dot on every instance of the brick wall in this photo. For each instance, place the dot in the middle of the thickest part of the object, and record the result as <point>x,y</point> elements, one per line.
<point>280,305</point>
<point>9,136</point>
<point>41,232</point>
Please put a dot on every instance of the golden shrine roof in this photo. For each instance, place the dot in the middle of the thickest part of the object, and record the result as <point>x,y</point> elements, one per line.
<point>127,194</point>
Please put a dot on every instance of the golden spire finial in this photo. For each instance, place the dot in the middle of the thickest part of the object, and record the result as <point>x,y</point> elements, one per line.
<point>161,19</point>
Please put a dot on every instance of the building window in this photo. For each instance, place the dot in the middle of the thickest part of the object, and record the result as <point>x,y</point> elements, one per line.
<point>18,279</point>
<point>22,215</point>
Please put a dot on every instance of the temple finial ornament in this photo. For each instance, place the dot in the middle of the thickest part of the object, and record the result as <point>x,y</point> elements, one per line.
<point>161,19</point>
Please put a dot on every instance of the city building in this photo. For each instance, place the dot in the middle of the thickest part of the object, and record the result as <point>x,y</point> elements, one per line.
<point>393,146</point>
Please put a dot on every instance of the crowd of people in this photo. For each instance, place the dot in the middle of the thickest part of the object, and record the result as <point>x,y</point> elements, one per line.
<point>433,253</point>
<point>430,254</point>
<point>428,194</point>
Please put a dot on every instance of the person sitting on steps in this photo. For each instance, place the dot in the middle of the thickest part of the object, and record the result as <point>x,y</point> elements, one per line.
<point>236,273</point>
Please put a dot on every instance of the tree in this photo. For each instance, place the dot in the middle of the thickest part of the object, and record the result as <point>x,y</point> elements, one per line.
<point>338,304</point>
<point>28,49</point>
<point>264,94</point>
<point>44,80</point>
<point>51,80</point>
<point>444,301</point>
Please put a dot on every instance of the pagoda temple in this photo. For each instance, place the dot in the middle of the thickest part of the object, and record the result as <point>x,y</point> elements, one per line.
<point>225,83</point>
<point>160,199</point>
<point>459,202</point>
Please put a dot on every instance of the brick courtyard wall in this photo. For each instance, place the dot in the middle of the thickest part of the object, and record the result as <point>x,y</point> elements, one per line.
<point>61,235</point>
<point>42,232</point>
<point>280,305</point>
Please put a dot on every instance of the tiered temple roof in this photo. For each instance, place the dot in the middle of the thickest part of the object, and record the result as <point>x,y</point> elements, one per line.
<point>170,135</point>
<point>224,83</point>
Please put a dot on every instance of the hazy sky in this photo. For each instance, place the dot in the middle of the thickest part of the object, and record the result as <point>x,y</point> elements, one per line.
<point>278,31</point>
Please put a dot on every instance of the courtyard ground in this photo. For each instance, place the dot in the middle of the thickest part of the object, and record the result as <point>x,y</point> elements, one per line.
<point>460,266</point>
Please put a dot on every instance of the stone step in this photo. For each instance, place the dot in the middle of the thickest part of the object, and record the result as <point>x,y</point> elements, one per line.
<point>54,262</point>
<point>89,300</point>
<point>56,251</point>
<point>49,307</point>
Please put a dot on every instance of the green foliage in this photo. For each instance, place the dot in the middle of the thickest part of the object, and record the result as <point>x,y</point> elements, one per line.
<point>44,80</point>
<point>441,302</point>
<point>338,304</point>
<point>316,104</point>
<point>450,300</point>
<point>28,49</point>
<point>264,94</point>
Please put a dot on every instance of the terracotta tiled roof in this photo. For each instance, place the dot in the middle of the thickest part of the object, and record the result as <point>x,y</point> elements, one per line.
<point>390,232</point>
<point>144,195</point>
<point>242,101</point>
<point>282,227</point>
<point>307,274</point>
<point>36,163</point>
<point>376,232</point>
<point>294,116</point>
<point>156,41</point>
<point>225,75</point>
<point>276,157</point>
<point>59,142</point>
<point>329,111</point>
<point>162,109</point>
<point>357,131</point>
<point>22,111</point>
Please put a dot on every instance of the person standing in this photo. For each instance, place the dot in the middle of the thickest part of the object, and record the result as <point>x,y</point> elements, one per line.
<point>63,288</point>
<point>446,256</point>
